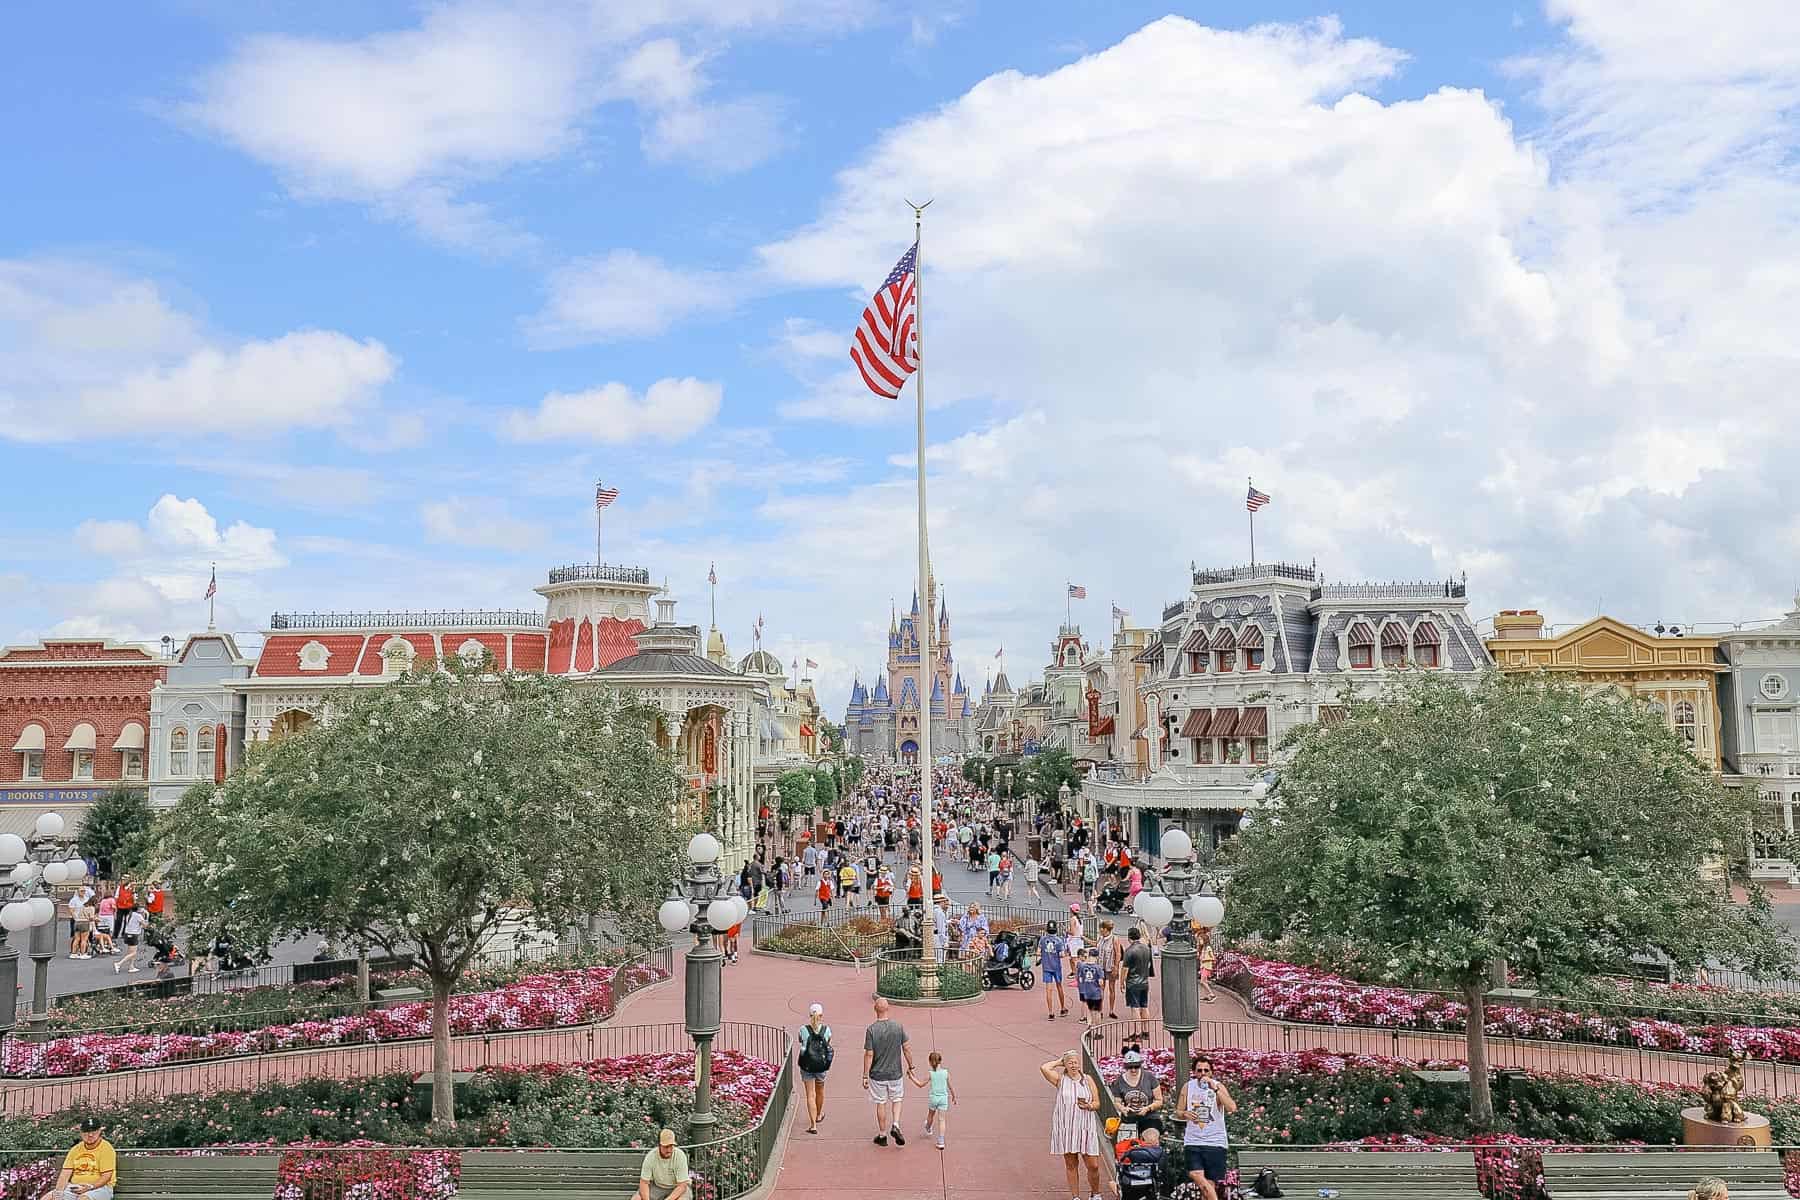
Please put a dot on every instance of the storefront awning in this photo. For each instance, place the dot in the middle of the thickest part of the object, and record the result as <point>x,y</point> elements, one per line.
<point>131,737</point>
<point>1195,725</point>
<point>1254,723</point>
<point>30,738</point>
<point>82,738</point>
<point>1223,724</point>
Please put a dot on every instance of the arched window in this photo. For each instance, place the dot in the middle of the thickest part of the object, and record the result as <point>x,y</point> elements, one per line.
<point>203,740</point>
<point>1251,643</point>
<point>30,749</point>
<point>1685,724</point>
<point>396,656</point>
<point>1361,642</point>
<point>179,763</point>
<point>1426,645</point>
<point>1393,645</point>
<point>1224,645</point>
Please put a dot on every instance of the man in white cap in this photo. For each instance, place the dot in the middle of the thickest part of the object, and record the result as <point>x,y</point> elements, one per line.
<point>665,1172</point>
<point>940,926</point>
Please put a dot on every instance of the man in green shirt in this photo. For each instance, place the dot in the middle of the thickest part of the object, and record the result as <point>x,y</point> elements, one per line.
<point>665,1173</point>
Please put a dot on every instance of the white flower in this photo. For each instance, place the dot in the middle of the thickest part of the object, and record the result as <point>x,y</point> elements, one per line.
<point>456,793</point>
<point>1544,785</point>
<point>477,759</point>
<point>1567,719</point>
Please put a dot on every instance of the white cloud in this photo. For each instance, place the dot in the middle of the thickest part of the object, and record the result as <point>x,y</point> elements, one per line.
<point>86,354</point>
<point>482,523</point>
<point>623,294</point>
<point>111,539</point>
<point>670,410</point>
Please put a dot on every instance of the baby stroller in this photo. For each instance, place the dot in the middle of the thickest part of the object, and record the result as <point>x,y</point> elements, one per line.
<point>1112,898</point>
<point>1009,963</point>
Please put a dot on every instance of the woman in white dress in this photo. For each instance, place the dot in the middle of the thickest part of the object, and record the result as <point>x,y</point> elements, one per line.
<point>1074,1129</point>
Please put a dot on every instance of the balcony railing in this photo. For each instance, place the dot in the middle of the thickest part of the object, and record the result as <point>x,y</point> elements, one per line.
<point>1449,589</point>
<point>599,573</point>
<point>1173,610</point>
<point>1272,570</point>
<point>446,619</point>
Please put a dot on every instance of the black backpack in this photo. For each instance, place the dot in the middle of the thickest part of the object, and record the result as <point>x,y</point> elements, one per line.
<point>816,1050</point>
<point>1265,1184</point>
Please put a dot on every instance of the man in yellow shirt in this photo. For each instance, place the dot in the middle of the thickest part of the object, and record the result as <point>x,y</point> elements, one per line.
<point>665,1173</point>
<point>89,1170</point>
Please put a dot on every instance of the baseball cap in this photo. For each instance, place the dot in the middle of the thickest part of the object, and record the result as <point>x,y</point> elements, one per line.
<point>666,1138</point>
<point>91,1125</point>
<point>1133,1059</point>
<point>817,1010</point>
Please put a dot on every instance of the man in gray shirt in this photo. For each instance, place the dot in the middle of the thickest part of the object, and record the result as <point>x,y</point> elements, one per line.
<point>884,1048</point>
<point>1138,963</point>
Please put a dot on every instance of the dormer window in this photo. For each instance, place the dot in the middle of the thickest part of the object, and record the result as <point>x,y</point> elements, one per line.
<point>1426,643</point>
<point>1196,650</point>
<point>396,656</point>
<point>471,652</point>
<point>1393,645</point>
<point>314,656</point>
<point>1224,646</point>
<point>1251,643</point>
<point>1361,642</point>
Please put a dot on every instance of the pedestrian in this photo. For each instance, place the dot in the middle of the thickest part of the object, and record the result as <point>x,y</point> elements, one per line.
<point>993,870</point>
<point>1050,949</point>
<point>1207,960</point>
<point>124,901</point>
<point>1032,868</point>
<point>816,1053</point>
<point>1110,953</point>
<point>134,935</point>
<point>940,926</point>
<point>1076,942</point>
<point>1090,876</point>
<point>103,923</point>
<point>1074,1133</point>
<point>1139,965</point>
<point>83,895</point>
<point>1204,1106</point>
<point>1138,1093</point>
<point>824,895</point>
<point>884,1049</point>
<point>809,859</point>
<point>664,1175</point>
<point>1089,982</point>
<point>915,888</point>
<point>883,889</point>
<point>847,883</point>
<point>90,1169</point>
<point>939,1096</point>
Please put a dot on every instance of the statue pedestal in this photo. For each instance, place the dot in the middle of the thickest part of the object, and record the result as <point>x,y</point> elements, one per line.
<point>1696,1130</point>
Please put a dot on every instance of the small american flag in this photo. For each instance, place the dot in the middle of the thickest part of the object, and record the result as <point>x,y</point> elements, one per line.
<point>1077,592</point>
<point>885,348</point>
<point>212,586</point>
<point>999,652</point>
<point>604,495</point>
<point>1118,613</point>
<point>811,665</point>
<point>712,573</point>
<point>1255,499</point>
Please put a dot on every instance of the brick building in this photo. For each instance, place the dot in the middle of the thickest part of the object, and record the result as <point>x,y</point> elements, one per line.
<point>74,719</point>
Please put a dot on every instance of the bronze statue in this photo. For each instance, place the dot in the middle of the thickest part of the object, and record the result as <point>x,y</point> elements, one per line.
<point>1722,1089</point>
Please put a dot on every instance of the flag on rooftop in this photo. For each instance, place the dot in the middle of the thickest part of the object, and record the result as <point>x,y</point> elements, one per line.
<point>885,347</point>
<point>811,665</point>
<point>604,495</point>
<point>712,573</point>
<point>1118,613</point>
<point>212,587</point>
<point>1255,499</point>
<point>1077,592</point>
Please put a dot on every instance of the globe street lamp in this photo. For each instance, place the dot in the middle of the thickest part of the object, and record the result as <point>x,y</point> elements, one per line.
<point>705,910</point>
<point>32,871</point>
<point>1177,888</point>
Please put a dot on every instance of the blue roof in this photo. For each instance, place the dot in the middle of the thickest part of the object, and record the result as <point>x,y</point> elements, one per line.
<point>909,693</point>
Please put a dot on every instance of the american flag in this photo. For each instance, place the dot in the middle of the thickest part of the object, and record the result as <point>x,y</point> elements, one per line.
<point>1077,593</point>
<point>1255,499</point>
<point>811,665</point>
<point>604,495</point>
<point>999,652</point>
<point>212,587</point>
<point>712,573</point>
<point>885,348</point>
<point>1118,613</point>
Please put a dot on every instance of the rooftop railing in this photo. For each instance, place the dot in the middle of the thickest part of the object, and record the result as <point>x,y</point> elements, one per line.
<point>1449,589</point>
<point>599,573</point>
<point>462,618</point>
<point>1270,570</point>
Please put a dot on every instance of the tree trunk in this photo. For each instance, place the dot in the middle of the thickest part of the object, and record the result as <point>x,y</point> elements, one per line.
<point>362,973</point>
<point>443,1092</point>
<point>1481,1099</point>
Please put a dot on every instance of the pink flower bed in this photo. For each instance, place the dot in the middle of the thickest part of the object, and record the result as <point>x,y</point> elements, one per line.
<point>1304,994</point>
<point>547,1001</point>
<point>735,1076</point>
<point>368,1171</point>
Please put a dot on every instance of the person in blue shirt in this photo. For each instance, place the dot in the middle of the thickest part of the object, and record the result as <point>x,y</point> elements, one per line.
<point>1090,979</point>
<point>1050,955</point>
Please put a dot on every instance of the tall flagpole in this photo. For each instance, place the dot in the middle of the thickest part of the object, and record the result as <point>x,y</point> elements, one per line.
<point>1252,484</point>
<point>926,666</point>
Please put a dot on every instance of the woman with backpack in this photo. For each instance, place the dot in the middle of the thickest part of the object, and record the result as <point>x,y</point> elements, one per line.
<point>815,1059</point>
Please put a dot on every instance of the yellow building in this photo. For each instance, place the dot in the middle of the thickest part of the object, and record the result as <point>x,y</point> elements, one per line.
<point>1676,674</point>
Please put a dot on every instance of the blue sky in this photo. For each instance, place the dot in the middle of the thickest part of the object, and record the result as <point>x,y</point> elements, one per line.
<point>358,299</point>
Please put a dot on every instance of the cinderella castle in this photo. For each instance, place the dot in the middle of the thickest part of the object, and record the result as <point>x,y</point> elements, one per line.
<point>884,723</point>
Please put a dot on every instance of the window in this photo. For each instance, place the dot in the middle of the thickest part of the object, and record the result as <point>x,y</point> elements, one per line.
<point>1196,663</point>
<point>1393,645</point>
<point>203,750</point>
<point>314,656</point>
<point>30,749</point>
<point>1362,647</point>
<point>1774,730</point>
<point>1226,660</point>
<point>1225,651</point>
<point>131,764</point>
<point>83,765</point>
<point>397,656</point>
<point>1259,750</point>
<point>1253,660</point>
<point>178,753</point>
<point>1252,645</point>
<point>1426,642</point>
<point>1203,750</point>
<point>1684,721</point>
<point>33,765</point>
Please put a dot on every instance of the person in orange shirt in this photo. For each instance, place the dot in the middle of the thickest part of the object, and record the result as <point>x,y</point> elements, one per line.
<point>824,894</point>
<point>125,903</point>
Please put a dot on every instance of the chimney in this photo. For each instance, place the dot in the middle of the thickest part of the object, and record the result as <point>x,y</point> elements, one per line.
<point>1519,623</point>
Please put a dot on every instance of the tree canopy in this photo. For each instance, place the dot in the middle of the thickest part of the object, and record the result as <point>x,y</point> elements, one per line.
<point>825,788</point>
<point>115,831</point>
<point>1558,828</point>
<point>422,811</point>
<point>1043,774</point>
<point>798,792</point>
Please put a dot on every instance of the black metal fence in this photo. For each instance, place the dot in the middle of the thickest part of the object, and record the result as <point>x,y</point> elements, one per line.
<point>917,975</point>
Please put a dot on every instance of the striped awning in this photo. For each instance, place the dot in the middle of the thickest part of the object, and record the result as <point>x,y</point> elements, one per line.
<point>1361,634</point>
<point>1223,724</point>
<point>1224,640</point>
<point>1196,642</point>
<point>1393,635</point>
<point>1195,725</point>
<point>1426,634</point>
<point>1252,638</point>
<point>1254,723</point>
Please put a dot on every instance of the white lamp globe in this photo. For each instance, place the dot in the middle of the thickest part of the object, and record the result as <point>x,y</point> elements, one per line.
<point>1176,844</point>
<point>703,848</point>
<point>55,873</point>
<point>1207,910</point>
<point>43,910</point>
<point>721,914</point>
<point>12,849</point>
<point>1156,910</point>
<point>23,873</point>
<point>1137,903</point>
<point>15,916</point>
<point>674,915</point>
<point>77,870</point>
<point>49,825</point>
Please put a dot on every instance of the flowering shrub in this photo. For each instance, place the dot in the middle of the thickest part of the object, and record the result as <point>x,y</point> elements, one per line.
<point>1313,996</point>
<point>29,1179</point>
<point>367,1172</point>
<point>539,1001</point>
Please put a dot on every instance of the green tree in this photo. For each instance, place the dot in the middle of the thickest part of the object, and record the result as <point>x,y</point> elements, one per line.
<point>825,789</point>
<point>114,832</point>
<point>798,789</point>
<point>853,772</point>
<point>1444,829</point>
<point>1043,775</point>
<point>424,810</point>
<point>973,768</point>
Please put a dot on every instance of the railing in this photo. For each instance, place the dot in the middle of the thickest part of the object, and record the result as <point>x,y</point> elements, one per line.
<point>599,573</point>
<point>1173,610</point>
<point>867,932</point>
<point>918,975</point>
<point>447,619</point>
<point>1269,570</point>
<point>1450,589</point>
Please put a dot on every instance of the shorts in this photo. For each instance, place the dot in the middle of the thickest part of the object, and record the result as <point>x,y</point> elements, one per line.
<point>659,1192</point>
<point>1092,1005</point>
<point>92,1193</point>
<point>938,1105</point>
<point>1052,976</point>
<point>887,1090</point>
<point>1137,995</point>
<point>880,899</point>
<point>1210,1160</point>
<point>813,1076</point>
<point>131,939</point>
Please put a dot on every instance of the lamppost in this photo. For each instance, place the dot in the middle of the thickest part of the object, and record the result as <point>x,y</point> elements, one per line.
<point>706,909</point>
<point>34,870</point>
<point>1177,888</point>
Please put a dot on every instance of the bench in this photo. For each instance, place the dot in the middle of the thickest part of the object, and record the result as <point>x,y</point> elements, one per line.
<point>179,1176</point>
<point>1627,1175</point>
<point>1369,1175</point>
<point>492,1174</point>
